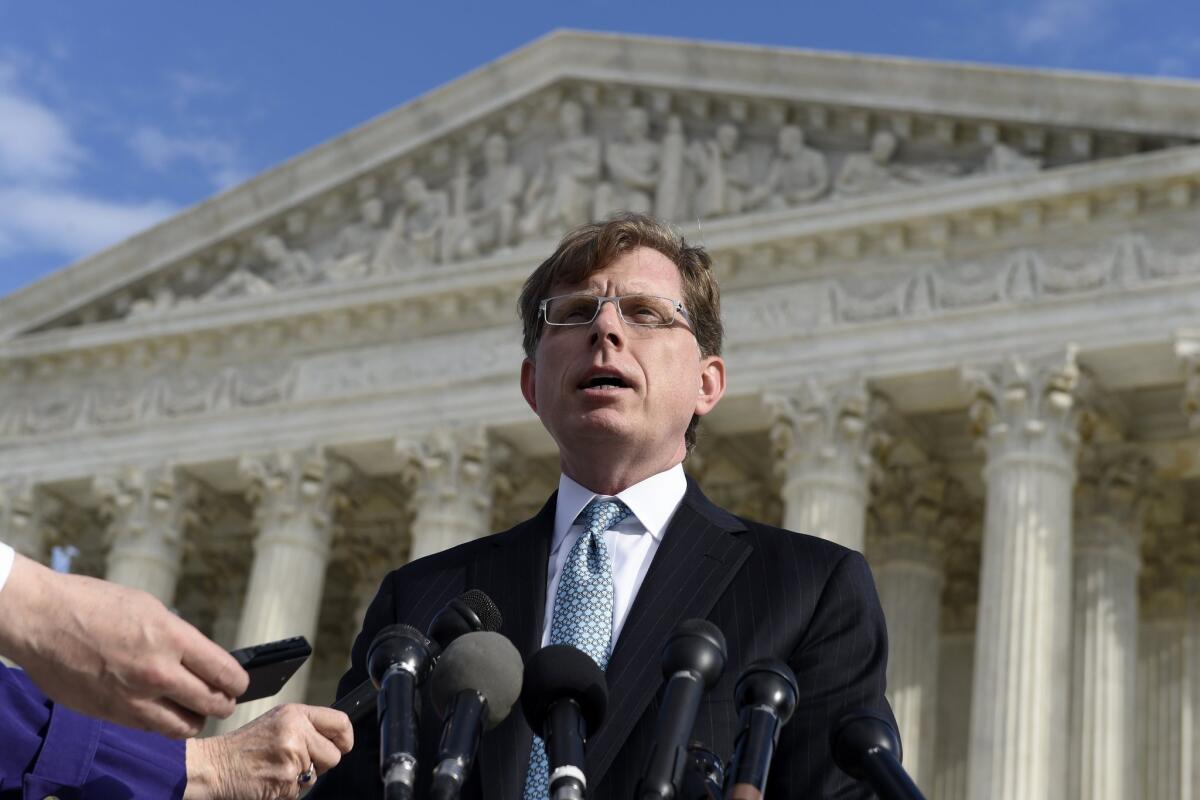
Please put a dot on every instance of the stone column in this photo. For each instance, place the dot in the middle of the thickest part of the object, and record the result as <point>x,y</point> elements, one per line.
<point>1104,653</point>
<point>956,657</point>
<point>450,474</point>
<point>1168,668</point>
<point>20,527</point>
<point>906,548</point>
<point>146,510</point>
<point>295,497</point>
<point>1024,412</point>
<point>823,439</point>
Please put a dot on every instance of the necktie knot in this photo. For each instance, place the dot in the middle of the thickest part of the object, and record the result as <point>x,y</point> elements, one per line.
<point>603,513</point>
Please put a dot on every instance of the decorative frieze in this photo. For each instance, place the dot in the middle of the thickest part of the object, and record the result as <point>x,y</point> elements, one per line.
<point>578,152</point>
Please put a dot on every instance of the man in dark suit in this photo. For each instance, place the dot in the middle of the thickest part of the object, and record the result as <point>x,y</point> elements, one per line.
<point>622,334</point>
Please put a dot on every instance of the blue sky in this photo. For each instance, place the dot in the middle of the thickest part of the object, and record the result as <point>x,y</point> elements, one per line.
<point>115,114</point>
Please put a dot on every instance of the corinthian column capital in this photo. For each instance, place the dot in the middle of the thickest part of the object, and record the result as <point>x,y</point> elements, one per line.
<point>297,490</point>
<point>823,424</point>
<point>1027,406</point>
<point>450,464</point>
<point>144,501</point>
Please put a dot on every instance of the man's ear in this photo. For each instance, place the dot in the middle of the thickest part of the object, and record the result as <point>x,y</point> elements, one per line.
<point>528,383</point>
<point>712,384</point>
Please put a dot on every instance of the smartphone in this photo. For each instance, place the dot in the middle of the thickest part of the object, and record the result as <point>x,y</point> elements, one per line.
<point>270,665</point>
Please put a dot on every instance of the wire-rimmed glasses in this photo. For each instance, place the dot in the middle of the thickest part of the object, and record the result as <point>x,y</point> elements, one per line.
<point>643,310</point>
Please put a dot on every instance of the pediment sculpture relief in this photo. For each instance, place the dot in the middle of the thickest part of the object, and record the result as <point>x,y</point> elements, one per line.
<point>574,158</point>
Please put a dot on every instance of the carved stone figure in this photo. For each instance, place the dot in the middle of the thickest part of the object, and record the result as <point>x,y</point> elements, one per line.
<point>560,195</point>
<point>1003,159</point>
<point>239,283</point>
<point>352,249</point>
<point>286,268</point>
<point>725,173</point>
<point>634,165</point>
<point>418,230</point>
<point>670,199</point>
<point>866,173</point>
<point>797,174</point>
<point>493,202</point>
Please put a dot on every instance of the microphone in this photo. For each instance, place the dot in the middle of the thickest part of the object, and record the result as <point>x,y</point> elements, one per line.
<point>705,774</point>
<point>866,747</point>
<point>765,695</point>
<point>564,699</point>
<point>398,661</point>
<point>693,660</point>
<point>476,682</point>
<point>470,611</point>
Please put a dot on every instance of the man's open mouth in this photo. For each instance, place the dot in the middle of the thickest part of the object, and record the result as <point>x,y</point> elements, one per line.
<point>604,382</point>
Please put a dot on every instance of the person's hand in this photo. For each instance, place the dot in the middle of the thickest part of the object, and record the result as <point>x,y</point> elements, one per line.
<point>264,759</point>
<point>114,653</point>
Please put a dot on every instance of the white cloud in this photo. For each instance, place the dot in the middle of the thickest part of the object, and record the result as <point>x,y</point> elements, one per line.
<point>60,220</point>
<point>71,223</point>
<point>35,142</point>
<point>1050,21</point>
<point>159,151</point>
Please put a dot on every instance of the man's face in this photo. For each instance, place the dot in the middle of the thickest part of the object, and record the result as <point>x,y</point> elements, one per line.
<point>624,391</point>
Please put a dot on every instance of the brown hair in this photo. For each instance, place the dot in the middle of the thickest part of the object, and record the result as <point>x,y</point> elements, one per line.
<point>592,247</point>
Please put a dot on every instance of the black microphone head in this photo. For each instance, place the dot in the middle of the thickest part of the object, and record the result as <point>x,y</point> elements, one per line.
<point>859,733</point>
<point>469,612</point>
<point>696,646</point>
<point>768,682</point>
<point>484,662</point>
<point>558,672</point>
<point>398,644</point>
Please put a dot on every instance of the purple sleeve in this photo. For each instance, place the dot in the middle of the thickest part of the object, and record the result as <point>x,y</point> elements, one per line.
<point>47,749</point>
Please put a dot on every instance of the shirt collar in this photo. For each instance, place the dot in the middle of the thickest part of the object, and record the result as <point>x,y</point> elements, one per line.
<point>653,501</point>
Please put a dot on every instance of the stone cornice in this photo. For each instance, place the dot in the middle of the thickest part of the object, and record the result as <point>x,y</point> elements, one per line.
<point>454,113</point>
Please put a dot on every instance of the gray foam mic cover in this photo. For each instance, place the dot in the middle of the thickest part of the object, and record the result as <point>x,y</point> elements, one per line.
<point>484,662</point>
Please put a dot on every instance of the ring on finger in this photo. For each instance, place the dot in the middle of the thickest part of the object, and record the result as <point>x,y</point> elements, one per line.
<point>307,775</point>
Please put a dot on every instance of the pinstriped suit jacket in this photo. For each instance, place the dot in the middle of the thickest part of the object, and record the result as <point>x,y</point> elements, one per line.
<point>772,592</point>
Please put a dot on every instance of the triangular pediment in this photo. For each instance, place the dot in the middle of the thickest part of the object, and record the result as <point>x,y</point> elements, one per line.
<point>577,125</point>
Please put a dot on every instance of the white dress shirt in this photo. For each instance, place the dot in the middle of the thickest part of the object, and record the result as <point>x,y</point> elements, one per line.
<point>7,556</point>
<point>632,543</point>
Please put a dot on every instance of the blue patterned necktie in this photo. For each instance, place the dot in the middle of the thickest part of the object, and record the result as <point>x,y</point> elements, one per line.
<point>583,611</point>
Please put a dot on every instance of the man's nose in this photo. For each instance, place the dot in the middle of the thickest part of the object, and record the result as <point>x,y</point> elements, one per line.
<point>608,326</point>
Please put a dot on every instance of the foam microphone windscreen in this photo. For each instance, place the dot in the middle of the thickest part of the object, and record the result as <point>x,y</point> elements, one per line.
<point>561,671</point>
<point>484,662</point>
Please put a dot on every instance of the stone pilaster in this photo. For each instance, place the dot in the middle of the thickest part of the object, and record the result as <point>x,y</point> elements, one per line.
<point>1168,668</point>
<point>295,496</point>
<point>451,477</point>
<point>1108,520</point>
<point>1025,414</point>
<point>906,548</point>
<point>146,510</point>
<point>823,439</point>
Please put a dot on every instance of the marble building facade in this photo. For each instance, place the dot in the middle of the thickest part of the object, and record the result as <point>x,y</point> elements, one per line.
<point>961,306</point>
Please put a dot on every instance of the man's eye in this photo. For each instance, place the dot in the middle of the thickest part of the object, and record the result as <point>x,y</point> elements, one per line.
<point>647,311</point>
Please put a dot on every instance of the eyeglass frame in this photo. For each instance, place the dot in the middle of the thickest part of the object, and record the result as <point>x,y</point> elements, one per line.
<point>677,307</point>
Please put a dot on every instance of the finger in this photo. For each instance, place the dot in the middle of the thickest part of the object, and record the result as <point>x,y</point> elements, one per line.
<point>166,718</point>
<point>189,691</point>
<point>334,725</point>
<point>323,754</point>
<point>208,662</point>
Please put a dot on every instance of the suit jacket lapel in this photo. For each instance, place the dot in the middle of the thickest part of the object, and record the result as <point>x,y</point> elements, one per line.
<point>698,557</point>
<point>514,576</point>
